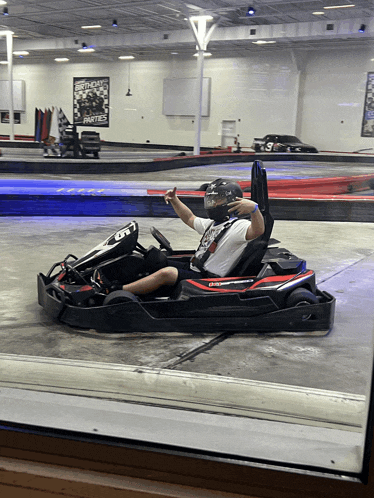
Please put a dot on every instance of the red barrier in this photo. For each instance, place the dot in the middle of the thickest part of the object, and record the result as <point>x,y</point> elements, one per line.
<point>277,195</point>
<point>330,186</point>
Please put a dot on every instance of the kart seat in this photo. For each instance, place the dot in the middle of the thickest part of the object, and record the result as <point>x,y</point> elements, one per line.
<point>250,261</point>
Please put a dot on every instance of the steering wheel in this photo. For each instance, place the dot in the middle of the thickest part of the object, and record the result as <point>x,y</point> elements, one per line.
<point>163,241</point>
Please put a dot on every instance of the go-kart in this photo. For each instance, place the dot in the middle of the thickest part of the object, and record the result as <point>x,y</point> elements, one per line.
<point>269,290</point>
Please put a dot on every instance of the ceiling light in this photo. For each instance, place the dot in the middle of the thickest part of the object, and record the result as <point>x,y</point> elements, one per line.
<point>3,62</point>
<point>5,11</point>
<point>206,54</point>
<point>94,26</point>
<point>362,28</point>
<point>20,52</point>
<point>114,23</point>
<point>263,42</point>
<point>61,59</point>
<point>250,12</point>
<point>318,13</point>
<point>126,57</point>
<point>85,48</point>
<point>340,6</point>
<point>3,2</point>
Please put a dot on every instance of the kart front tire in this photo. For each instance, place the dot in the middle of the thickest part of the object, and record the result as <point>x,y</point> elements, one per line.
<point>300,297</point>
<point>119,296</point>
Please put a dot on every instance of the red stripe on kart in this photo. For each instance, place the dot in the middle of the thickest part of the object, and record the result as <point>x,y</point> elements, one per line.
<point>279,278</point>
<point>275,279</point>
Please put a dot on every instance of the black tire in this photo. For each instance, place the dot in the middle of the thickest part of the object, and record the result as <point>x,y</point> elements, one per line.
<point>119,296</point>
<point>300,297</point>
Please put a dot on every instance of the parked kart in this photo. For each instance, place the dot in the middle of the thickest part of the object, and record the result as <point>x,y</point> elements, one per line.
<point>269,290</point>
<point>281,143</point>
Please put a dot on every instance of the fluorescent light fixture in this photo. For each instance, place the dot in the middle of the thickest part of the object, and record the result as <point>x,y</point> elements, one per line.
<point>318,13</point>
<point>86,50</point>
<point>250,12</point>
<point>126,57</point>
<point>61,59</point>
<point>3,2</point>
<point>206,54</point>
<point>340,6</point>
<point>263,42</point>
<point>6,62</point>
<point>196,18</point>
<point>20,52</point>
<point>94,26</point>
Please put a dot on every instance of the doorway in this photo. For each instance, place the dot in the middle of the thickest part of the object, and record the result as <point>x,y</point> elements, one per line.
<point>228,133</point>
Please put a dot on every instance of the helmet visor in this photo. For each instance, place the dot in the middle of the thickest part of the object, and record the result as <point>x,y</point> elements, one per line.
<point>214,199</point>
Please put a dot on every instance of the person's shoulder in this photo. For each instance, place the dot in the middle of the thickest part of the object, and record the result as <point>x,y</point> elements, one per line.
<point>201,223</point>
<point>241,222</point>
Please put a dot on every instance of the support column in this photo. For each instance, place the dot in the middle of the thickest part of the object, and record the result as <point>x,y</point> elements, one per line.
<point>202,39</point>
<point>200,76</point>
<point>9,44</point>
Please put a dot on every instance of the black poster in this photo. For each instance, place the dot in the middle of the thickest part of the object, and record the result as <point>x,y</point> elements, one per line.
<point>367,129</point>
<point>91,101</point>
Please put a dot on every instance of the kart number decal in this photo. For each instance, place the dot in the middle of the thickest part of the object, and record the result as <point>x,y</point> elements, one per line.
<point>269,146</point>
<point>123,233</point>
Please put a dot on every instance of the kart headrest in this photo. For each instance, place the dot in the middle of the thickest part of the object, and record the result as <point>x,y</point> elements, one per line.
<point>255,250</point>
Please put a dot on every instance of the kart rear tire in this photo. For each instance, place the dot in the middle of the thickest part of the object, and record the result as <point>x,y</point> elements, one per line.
<point>300,297</point>
<point>119,296</point>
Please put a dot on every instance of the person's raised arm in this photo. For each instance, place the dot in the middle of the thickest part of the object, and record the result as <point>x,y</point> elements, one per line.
<point>184,212</point>
<point>246,206</point>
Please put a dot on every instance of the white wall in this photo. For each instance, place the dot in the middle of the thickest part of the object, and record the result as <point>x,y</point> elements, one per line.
<point>333,99</point>
<point>260,90</point>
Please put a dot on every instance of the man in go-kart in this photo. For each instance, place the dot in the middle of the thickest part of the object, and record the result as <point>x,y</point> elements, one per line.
<point>223,238</point>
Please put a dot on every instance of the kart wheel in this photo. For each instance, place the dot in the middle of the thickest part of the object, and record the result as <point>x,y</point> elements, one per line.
<point>301,297</point>
<point>119,296</point>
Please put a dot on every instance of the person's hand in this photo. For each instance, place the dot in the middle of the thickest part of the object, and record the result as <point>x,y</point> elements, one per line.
<point>242,206</point>
<point>170,195</point>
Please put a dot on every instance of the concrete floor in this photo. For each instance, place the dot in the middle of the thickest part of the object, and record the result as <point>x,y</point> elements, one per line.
<point>341,254</point>
<point>186,177</point>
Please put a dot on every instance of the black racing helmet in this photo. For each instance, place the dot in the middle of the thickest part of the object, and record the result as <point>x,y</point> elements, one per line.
<point>218,195</point>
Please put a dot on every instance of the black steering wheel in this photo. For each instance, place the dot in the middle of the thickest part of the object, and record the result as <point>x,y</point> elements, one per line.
<point>163,241</point>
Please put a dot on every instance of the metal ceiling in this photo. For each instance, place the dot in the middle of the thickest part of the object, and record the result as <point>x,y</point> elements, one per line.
<point>156,29</point>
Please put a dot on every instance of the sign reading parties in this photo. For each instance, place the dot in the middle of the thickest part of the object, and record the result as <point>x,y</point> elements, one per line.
<point>91,101</point>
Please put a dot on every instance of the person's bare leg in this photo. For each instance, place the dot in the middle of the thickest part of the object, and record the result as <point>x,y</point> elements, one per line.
<point>150,283</point>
